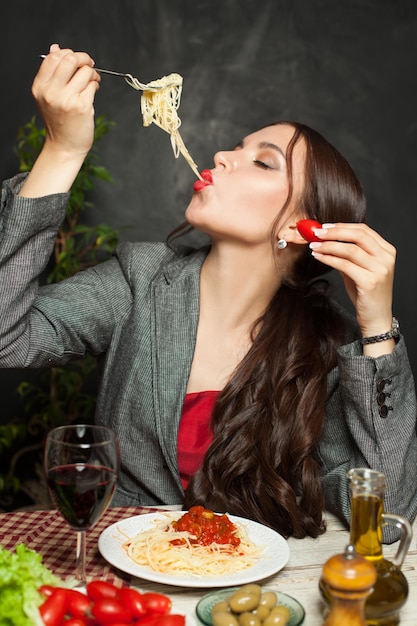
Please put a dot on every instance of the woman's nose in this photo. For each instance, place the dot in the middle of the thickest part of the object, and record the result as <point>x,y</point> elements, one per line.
<point>224,159</point>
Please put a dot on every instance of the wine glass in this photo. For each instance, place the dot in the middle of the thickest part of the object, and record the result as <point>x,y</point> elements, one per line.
<point>81,465</point>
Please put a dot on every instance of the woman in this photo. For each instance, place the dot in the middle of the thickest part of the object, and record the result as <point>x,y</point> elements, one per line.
<point>236,329</point>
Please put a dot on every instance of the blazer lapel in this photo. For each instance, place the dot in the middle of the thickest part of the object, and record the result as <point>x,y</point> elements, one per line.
<point>175,309</point>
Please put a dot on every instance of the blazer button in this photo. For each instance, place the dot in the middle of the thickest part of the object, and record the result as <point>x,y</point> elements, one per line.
<point>380,385</point>
<point>384,410</point>
<point>381,397</point>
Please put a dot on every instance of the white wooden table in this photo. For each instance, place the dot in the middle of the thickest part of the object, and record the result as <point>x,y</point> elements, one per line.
<point>301,575</point>
<point>47,533</point>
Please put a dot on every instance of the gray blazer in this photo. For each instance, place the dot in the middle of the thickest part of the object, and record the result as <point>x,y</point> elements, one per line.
<point>138,314</point>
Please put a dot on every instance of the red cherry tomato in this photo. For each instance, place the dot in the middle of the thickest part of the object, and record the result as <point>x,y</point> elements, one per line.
<point>133,600</point>
<point>54,608</point>
<point>97,589</point>
<point>110,624</point>
<point>171,620</point>
<point>151,619</point>
<point>305,228</point>
<point>110,610</point>
<point>75,621</point>
<point>78,604</point>
<point>49,590</point>
<point>156,603</point>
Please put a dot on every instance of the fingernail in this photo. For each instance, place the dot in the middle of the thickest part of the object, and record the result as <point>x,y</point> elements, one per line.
<point>314,245</point>
<point>328,225</point>
<point>53,47</point>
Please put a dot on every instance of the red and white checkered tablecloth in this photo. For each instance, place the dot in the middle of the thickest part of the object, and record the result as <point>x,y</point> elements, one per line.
<point>48,533</point>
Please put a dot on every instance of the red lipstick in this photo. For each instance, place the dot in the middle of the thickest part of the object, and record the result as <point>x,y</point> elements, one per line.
<point>207,177</point>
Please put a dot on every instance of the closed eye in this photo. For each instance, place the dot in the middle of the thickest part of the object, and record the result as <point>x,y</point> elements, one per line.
<point>262,164</point>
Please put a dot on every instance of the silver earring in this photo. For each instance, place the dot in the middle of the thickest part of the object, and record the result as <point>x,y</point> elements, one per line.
<point>281,244</point>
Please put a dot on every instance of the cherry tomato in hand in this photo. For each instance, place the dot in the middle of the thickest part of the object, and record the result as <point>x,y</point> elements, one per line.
<point>109,610</point>
<point>132,600</point>
<point>54,608</point>
<point>156,603</point>
<point>97,589</point>
<point>306,227</point>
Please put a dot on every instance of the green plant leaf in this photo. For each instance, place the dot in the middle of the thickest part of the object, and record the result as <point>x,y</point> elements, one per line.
<point>60,395</point>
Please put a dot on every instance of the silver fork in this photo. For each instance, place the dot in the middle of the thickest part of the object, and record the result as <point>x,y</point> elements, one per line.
<point>131,80</point>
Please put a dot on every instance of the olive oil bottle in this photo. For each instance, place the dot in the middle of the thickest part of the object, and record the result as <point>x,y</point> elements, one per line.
<point>390,590</point>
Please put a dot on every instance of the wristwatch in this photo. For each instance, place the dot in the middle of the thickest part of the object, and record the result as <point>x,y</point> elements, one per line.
<point>393,333</point>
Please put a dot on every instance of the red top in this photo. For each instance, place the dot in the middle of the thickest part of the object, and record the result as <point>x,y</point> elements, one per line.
<point>194,435</point>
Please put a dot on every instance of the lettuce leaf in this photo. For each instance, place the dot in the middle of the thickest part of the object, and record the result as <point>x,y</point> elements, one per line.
<point>21,575</point>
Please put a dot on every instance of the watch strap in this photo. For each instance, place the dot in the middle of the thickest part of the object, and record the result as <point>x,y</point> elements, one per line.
<point>393,333</point>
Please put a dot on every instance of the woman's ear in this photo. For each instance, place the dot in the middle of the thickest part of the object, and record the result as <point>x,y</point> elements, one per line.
<point>293,236</point>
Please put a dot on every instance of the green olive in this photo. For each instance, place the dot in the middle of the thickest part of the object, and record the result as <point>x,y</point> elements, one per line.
<point>261,611</point>
<point>281,610</point>
<point>275,619</point>
<point>220,606</point>
<point>249,619</point>
<point>242,601</point>
<point>268,599</point>
<point>251,588</point>
<point>224,618</point>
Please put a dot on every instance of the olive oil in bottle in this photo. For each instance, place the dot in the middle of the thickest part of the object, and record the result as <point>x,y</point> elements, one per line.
<point>390,591</point>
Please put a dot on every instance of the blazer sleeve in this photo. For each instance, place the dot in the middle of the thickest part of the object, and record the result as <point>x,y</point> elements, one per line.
<point>50,325</point>
<point>371,422</point>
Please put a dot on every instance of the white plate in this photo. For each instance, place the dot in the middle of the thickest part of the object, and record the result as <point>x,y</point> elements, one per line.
<point>275,553</point>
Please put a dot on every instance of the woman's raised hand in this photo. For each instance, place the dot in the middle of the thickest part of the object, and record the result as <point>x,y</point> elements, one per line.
<point>64,90</point>
<point>366,262</point>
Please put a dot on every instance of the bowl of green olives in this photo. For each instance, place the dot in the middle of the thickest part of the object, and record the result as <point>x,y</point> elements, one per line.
<point>249,605</point>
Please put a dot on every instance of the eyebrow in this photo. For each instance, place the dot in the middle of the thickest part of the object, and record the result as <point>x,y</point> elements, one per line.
<point>273,146</point>
<point>265,145</point>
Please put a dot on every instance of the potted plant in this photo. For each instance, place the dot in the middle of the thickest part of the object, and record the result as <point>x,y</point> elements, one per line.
<point>49,398</point>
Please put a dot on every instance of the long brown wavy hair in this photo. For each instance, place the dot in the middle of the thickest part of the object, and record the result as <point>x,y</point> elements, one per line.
<point>267,421</point>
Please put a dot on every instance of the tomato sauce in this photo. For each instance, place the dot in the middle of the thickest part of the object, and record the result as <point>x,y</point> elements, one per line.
<point>206,527</point>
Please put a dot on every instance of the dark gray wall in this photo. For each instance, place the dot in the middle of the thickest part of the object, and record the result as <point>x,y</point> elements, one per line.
<point>347,68</point>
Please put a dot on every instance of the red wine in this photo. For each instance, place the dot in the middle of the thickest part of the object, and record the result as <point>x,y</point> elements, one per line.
<point>81,492</point>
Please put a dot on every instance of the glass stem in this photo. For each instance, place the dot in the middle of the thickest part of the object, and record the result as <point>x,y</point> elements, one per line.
<point>80,558</point>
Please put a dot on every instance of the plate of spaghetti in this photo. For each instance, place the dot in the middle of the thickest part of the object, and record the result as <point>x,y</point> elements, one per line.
<point>195,548</point>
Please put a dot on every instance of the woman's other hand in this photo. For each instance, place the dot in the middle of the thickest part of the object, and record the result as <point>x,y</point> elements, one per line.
<point>366,262</point>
